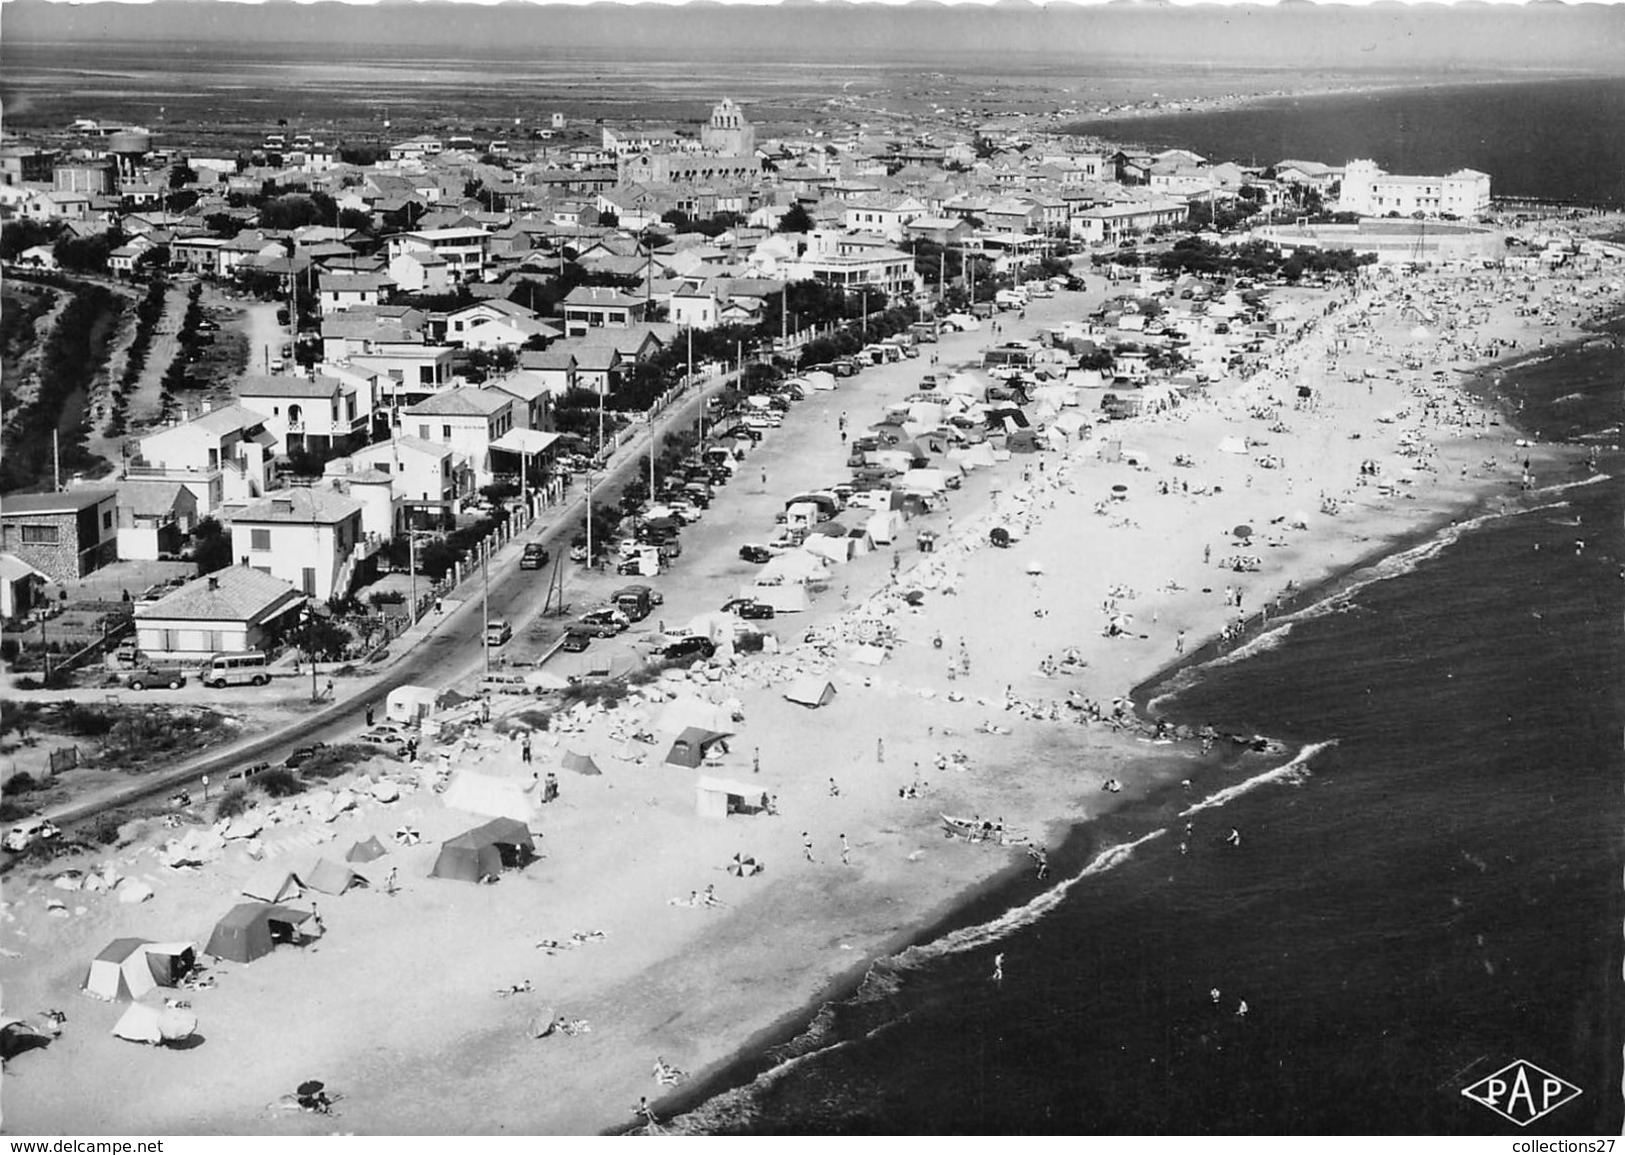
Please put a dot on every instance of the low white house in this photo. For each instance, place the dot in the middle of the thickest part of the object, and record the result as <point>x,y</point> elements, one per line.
<point>227,611</point>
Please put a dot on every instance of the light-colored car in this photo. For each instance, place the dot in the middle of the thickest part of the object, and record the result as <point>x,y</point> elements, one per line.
<point>497,631</point>
<point>20,837</point>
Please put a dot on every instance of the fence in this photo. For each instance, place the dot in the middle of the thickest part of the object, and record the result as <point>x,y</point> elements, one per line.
<point>64,759</point>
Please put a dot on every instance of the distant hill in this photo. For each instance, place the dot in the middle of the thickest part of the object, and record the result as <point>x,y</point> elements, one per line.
<point>1538,36</point>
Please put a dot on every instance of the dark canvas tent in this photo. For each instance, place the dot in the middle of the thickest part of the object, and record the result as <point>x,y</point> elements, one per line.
<point>366,850</point>
<point>691,746</point>
<point>580,763</point>
<point>251,929</point>
<point>331,877</point>
<point>128,968</point>
<point>485,850</point>
<point>17,1036</point>
<point>1022,441</point>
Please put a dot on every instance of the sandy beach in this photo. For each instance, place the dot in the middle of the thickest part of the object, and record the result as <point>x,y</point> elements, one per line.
<point>1126,561</point>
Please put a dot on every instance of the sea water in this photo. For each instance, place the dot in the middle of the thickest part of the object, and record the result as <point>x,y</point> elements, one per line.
<point>1425,888</point>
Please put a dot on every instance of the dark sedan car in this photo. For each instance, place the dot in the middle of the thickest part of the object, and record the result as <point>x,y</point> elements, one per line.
<point>575,641</point>
<point>685,649</point>
<point>749,608</point>
<point>304,754</point>
<point>756,554</point>
<point>152,676</point>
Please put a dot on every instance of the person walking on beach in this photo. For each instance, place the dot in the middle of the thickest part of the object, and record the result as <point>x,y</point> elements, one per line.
<point>1234,838</point>
<point>524,747</point>
<point>846,852</point>
<point>834,789</point>
<point>1179,643</point>
<point>389,881</point>
<point>880,749</point>
<point>806,846</point>
<point>998,967</point>
<point>370,708</point>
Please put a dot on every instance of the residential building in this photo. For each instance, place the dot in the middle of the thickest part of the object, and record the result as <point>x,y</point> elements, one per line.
<point>63,535</point>
<point>423,478</point>
<point>532,394</point>
<point>408,370</point>
<point>1110,224</point>
<point>466,251</point>
<point>594,306</point>
<point>309,537</point>
<point>1367,189</point>
<point>468,421</point>
<point>319,412</point>
<point>223,457</point>
<point>556,368</point>
<point>232,610</point>
<point>341,292</point>
<point>154,519</point>
<point>851,264</point>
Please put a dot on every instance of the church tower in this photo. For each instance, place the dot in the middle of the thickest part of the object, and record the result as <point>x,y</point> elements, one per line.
<point>728,133</point>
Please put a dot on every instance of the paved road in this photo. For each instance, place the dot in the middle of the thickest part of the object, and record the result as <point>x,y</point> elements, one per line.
<point>454,650</point>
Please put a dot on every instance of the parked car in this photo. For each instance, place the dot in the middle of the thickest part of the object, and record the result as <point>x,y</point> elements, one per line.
<point>244,773</point>
<point>535,556</point>
<point>686,649</point>
<point>20,837</point>
<point>602,623</point>
<point>575,640</point>
<point>756,554</point>
<point>385,740</point>
<point>497,632</point>
<point>748,608</point>
<point>303,754</point>
<point>153,676</point>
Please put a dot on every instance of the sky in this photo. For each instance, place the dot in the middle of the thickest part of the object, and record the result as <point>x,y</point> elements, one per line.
<point>1383,35</point>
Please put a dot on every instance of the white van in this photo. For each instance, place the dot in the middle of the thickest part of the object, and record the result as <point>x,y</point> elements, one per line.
<point>222,670</point>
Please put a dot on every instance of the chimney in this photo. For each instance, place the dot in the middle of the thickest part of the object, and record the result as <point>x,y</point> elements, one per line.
<point>214,582</point>
<point>208,407</point>
<point>185,416</point>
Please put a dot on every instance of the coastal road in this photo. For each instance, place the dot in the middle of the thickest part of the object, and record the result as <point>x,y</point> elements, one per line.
<point>455,650</point>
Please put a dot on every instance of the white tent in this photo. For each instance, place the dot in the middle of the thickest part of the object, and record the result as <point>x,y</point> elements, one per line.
<point>923,481</point>
<point>786,599</point>
<point>1233,445</point>
<point>410,704</point>
<point>820,379</point>
<point>719,797</point>
<point>834,549</point>
<point>793,567</point>
<point>811,691</point>
<point>482,794</point>
<point>868,655</point>
<point>690,712</point>
<point>128,968</point>
<point>889,459</point>
<point>144,1023</point>
<point>926,413</point>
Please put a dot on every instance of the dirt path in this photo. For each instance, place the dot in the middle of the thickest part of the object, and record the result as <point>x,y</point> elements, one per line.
<point>265,336</point>
<point>146,395</point>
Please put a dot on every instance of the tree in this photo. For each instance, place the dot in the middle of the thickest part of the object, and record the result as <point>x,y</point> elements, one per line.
<point>325,638</point>
<point>86,254</point>
<point>796,220</point>
<point>211,546</point>
<point>20,234</point>
<point>608,218</point>
<point>358,220</point>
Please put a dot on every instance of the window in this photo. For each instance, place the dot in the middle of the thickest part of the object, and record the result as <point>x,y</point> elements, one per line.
<point>259,539</point>
<point>107,521</point>
<point>423,432</point>
<point>445,433</point>
<point>39,534</point>
<point>426,374</point>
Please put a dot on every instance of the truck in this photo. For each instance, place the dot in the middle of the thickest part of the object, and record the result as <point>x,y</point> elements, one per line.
<point>636,601</point>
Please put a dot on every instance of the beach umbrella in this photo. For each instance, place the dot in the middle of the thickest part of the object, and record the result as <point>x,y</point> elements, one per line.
<point>1243,531</point>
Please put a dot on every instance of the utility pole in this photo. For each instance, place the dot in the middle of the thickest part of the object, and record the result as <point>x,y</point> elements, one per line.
<point>56,463</point>
<point>485,599</point>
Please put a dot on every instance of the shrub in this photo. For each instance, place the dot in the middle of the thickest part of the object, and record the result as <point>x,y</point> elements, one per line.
<point>279,782</point>
<point>334,760</point>
<point>232,803</point>
<point>12,810</point>
<point>20,783</point>
<point>105,829</point>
